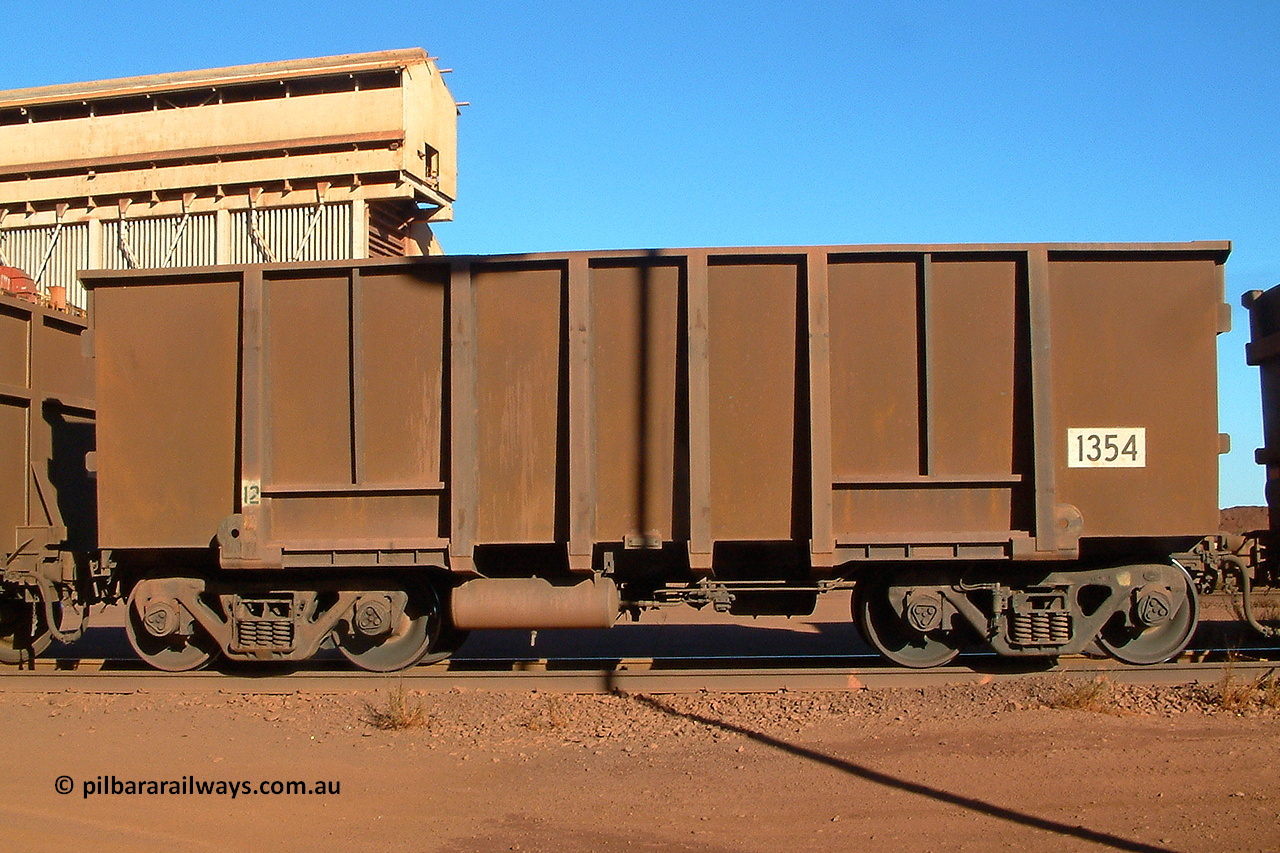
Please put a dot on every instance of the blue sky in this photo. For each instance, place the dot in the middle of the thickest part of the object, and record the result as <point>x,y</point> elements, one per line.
<point>604,125</point>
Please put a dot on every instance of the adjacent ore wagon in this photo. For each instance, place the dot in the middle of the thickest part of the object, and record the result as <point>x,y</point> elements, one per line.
<point>1252,557</point>
<point>46,495</point>
<point>999,445</point>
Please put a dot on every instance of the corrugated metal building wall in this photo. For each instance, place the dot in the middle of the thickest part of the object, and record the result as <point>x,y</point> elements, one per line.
<point>168,241</point>
<point>50,254</point>
<point>53,255</point>
<point>291,234</point>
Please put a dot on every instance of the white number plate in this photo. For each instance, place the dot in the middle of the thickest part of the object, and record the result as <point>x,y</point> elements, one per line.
<point>250,492</point>
<point>1107,447</point>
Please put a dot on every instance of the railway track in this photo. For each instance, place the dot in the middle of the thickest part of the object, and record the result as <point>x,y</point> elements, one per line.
<point>635,675</point>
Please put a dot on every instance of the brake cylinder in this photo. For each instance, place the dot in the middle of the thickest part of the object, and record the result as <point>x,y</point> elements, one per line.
<point>534,603</point>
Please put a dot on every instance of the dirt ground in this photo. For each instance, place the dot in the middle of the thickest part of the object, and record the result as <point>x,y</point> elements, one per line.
<point>993,767</point>
<point>1030,765</point>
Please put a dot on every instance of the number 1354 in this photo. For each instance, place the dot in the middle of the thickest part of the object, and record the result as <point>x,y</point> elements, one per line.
<point>1118,447</point>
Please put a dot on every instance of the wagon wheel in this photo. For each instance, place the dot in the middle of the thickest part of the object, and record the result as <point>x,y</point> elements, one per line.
<point>416,630</point>
<point>889,634</point>
<point>24,632</point>
<point>1136,642</point>
<point>178,649</point>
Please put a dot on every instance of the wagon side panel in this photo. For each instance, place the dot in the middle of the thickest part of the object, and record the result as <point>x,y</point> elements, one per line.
<point>15,402</point>
<point>166,356</point>
<point>353,398</point>
<point>928,399</point>
<point>635,322</point>
<point>521,403</point>
<point>1134,375</point>
<point>759,435</point>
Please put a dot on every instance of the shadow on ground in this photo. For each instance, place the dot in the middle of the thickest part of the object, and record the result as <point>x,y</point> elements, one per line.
<point>886,780</point>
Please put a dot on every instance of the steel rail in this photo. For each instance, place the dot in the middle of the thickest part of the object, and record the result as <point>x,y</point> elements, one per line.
<point>640,675</point>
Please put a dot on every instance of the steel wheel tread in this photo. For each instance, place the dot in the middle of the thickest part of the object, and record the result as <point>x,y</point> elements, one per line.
<point>175,653</point>
<point>419,629</point>
<point>885,631</point>
<point>1156,643</point>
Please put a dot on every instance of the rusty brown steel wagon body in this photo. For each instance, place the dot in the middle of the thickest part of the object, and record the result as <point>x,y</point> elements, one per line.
<point>1000,443</point>
<point>1254,557</point>
<point>46,494</point>
<point>1263,351</point>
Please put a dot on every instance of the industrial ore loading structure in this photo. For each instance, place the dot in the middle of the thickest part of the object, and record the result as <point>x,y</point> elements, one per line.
<point>314,159</point>
<point>1000,444</point>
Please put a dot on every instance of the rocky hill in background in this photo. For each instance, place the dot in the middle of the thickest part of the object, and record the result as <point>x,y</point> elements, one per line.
<point>1243,519</point>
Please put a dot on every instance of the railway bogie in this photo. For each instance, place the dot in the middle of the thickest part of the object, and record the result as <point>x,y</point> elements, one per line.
<point>380,621</point>
<point>925,616</point>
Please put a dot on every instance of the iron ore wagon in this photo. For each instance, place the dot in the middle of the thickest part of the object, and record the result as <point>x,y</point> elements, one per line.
<point>46,493</point>
<point>1000,446</point>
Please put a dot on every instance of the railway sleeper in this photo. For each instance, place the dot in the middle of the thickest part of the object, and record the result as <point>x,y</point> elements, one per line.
<point>1141,614</point>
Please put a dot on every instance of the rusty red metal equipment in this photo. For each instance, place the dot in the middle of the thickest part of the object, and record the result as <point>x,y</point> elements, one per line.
<point>14,282</point>
<point>1001,444</point>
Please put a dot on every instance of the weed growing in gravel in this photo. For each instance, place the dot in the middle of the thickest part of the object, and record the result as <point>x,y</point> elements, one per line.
<point>1232,695</point>
<point>1271,691</point>
<point>548,715</point>
<point>1094,696</point>
<point>1240,696</point>
<point>401,711</point>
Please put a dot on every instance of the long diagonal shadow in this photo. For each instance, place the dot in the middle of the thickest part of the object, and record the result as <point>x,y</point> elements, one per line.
<point>971,803</point>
